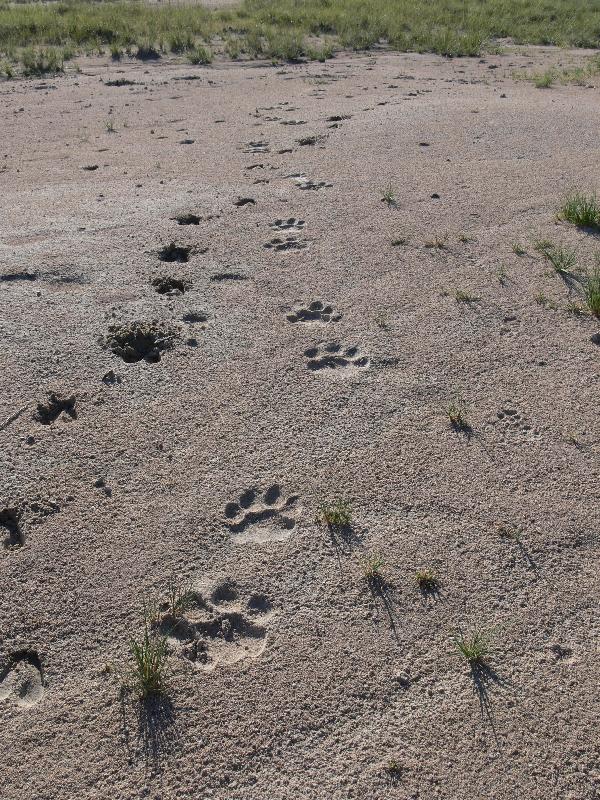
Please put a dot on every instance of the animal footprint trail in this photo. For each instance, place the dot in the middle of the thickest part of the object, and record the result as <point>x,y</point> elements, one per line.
<point>221,630</point>
<point>513,423</point>
<point>256,147</point>
<point>291,224</point>
<point>262,516</point>
<point>332,355</point>
<point>289,243</point>
<point>317,311</point>
<point>22,681</point>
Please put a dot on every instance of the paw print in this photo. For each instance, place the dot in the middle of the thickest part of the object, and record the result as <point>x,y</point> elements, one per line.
<point>291,224</point>
<point>289,243</point>
<point>22,681</point>
<point>256,147</point>
<point>333,356</point>
<point>258,516</point>
<point>220,630</point>
<point>315,312</point>
<point>511,422</point>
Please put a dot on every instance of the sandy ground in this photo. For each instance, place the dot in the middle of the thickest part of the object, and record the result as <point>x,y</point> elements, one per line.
<point>294,680</point>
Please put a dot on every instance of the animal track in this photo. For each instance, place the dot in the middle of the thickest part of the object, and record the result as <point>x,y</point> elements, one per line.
<point>291,224</point>
<point>22,681</point>
<point>262,516</point>
<point>511,422</point>
<point>56,406</point>
<point>312,185</point>
<point>140,340</point>
<point>256,147</point>
<point>332,355</point>
<point>316,312</point>
<point>172,252</point>
<point>10,528</point>
<point>166,284</point>
<point>221,630</point>
<point>289,243</point>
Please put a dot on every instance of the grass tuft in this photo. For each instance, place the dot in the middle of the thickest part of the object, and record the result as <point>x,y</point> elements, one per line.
<point>581,210</point>
<point>150,654</point>
<point>335,515</point>
<point>592,291</point>
<point>474,647</point>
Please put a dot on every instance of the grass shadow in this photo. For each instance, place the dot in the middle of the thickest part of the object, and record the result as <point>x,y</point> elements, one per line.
<point>155,729</point>
<point>485,680</point>
<point>383,591</point>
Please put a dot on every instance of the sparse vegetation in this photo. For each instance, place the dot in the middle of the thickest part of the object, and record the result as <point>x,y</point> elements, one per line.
<point>200,55</point>
<point>518,249</point>
<point>335,515</point>
<point>438,242</point>
<point>278,29</point>
<point>544,80</point>
<point>562,258</point>
<point>474,647</point>
<point>581,210</point>
<point>372,569</point>
<point>542,300</point>
<point>150,654</point>
<point>465,297</point>
<point>457,412</point>
<point>399,241</point>
<point>427,580</point>
<point>592,291</point>
<point>389,196</point>
<point>179,598</point>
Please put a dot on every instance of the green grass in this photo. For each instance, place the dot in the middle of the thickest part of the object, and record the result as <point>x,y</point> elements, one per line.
<point>592,291</point>
<point>287,29</point>
<point>372,569</point>
<point>474,647</point>
<point>388,196</point>
<point>427,580</point>
<point>200,55</point>
<point>149,654</point>
<point>457,412</point>
<point>563,259</point>
<point>335,515</point>
<point>581,210</point>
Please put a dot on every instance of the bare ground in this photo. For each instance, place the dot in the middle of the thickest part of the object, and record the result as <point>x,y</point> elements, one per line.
<point>208,458</point>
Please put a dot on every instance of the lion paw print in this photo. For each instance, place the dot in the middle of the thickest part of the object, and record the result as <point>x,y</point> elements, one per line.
<point>290,224</point>
<point>258,516</point>
<point>332,355</point>
<point>221,630</point>
<point>22,681</point>
<point>512,422</point>
<point>315,312</point>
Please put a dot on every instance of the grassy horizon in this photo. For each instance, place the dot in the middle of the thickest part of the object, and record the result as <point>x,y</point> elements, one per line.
<point>290,29</point>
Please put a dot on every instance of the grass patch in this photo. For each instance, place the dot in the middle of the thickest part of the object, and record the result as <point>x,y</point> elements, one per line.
<point>474,647</point>
<point>288,30</point>
<point>335,515</point>
<point>457,412</point>
<point>563,259</point>
<point>200,55</point>
<point>592,291</point>
<point>581,210</point>
<point>149,654</point>
<point>427,581</point>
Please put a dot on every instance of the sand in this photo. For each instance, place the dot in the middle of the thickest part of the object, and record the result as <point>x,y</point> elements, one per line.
<point>307,359</point>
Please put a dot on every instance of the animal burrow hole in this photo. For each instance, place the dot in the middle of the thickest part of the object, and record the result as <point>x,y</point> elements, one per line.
<point>167,284</point>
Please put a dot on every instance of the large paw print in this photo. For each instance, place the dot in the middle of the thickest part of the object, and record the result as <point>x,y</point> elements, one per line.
<point>22,680</point>
<point>256,147</point>
<point>332,355</point>
<point>315,312</point>
<point>221,630</point>
<point>262,516</point>
<point>290,224</point>
<point>311,185</point>
<point>289,243</point>
<point>511,422</point>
